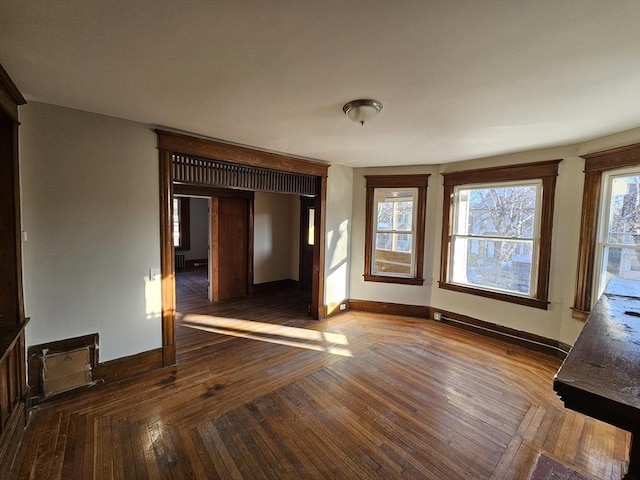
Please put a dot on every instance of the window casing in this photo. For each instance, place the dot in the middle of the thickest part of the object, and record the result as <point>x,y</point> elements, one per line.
<point>618,248</point>
<point>596,166</point>
<point>394,240</point>
<point>496,238</point>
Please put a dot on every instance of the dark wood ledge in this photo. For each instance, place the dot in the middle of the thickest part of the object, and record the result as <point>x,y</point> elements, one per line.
<point>9,334</point>
<point>601,375</point>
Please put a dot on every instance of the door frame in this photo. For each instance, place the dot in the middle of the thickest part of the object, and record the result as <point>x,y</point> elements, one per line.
<point>170,143</point>
<point>200,191</point>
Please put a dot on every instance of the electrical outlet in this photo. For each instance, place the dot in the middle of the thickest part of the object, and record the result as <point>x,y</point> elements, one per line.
<point>437,316</point>
<point>343,306</point>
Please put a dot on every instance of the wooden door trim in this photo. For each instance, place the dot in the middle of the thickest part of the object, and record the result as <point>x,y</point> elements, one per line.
<point>217,150</point>
<point>170,143</point>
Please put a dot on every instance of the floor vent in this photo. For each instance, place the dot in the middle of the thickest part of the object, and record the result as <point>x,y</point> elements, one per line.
<point>60,366</point>
<point>65,371</point>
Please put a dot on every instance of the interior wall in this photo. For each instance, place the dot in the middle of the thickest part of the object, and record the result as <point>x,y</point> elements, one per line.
<point>393,292</point>
<point>90,209</point>
<point>198,229</point>
<point>273,237</point>
<point>338,239</point>
<point>554,323</point>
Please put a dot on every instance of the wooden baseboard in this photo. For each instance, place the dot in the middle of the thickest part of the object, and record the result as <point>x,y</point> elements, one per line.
<point>11,439</point>
<point>127,367</point>
<point>101,373</point>
<point>196,263</point>
<point>169,355</point>
<point>275,285</point>
<point>417,311</point>
<point>332,309</point>
<point>517,337</point>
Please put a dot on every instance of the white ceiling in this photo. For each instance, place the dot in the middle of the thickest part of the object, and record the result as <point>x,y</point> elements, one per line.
<point>458,79</point>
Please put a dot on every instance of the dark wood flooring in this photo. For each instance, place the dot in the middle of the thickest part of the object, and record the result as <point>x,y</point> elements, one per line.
<point>263,392</point>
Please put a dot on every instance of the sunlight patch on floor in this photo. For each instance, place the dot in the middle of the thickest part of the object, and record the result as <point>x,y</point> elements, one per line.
<point>334,343</point>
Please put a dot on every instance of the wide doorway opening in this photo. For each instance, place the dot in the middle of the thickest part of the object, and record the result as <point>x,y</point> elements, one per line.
<point>255,200</point>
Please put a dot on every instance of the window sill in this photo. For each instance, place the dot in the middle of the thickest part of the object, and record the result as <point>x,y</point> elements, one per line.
<point>400,280</point>
<point>529,302</point>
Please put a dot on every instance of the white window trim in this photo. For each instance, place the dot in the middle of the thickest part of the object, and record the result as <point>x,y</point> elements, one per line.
<point>534,240</point>
<point>414,199</point>
<point>604,216</point>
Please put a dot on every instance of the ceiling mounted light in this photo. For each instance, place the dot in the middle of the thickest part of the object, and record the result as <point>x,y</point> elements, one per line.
<point>362,111</point>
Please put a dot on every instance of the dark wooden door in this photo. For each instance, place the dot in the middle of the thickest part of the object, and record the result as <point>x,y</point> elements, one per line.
<point>307,242</point>
<point>229,247</point>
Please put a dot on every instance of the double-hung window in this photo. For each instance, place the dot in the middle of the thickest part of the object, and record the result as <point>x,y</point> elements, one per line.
<point>618,248</point>
<point>496,236</point>
<point>601,247</point>
<point>497,232</point>
<point>394,242</point>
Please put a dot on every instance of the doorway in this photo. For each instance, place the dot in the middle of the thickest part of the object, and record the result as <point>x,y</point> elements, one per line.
<point>191,161</point>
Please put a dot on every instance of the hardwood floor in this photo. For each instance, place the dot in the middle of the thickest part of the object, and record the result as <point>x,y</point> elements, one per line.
<point>260,391</point>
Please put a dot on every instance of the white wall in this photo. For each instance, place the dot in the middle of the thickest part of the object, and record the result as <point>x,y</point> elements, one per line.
<point>338,235</point>
<point>554,323</point>
<point>392,292</point>
<point>90,208</point>
<point>275,229</point>
<point>198,229</point>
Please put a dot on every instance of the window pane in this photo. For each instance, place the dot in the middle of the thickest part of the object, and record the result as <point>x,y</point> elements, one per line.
<point>620,262</point>
<point>176,222</point>
<point>395,242</point>
<point>395,209</point>
<point>311,226</point>
<point>507,211</point>
<point>385,216</point>
<point>393,253</point>
<point>624,213</point>
<point>403,216</point>
<point>493,264</point>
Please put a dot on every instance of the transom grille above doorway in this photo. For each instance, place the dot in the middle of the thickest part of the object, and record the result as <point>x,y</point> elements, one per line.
<point>201,171</point>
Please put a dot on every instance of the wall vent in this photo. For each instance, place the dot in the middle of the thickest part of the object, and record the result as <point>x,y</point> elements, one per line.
<point>59,366</point>
<point>65,371</point>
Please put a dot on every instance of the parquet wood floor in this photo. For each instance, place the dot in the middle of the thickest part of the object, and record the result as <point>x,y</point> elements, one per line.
<point>262,392</point>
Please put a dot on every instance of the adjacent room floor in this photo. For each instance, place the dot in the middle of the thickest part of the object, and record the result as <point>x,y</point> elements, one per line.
<point>261,391</point>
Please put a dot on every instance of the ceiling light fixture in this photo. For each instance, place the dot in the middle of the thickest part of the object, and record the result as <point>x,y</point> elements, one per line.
<point>362,111</point>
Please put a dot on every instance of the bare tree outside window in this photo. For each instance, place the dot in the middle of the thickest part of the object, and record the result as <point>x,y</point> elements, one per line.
<point>496,232</point>
<point>494,236</point>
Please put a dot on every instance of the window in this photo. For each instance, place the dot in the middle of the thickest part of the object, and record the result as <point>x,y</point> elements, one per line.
<point>496,239</point>
<point>181,237</point>
<point>311,229</point>
<point>394,241</point>
<point>597,166</point>
<point>618,249</point>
